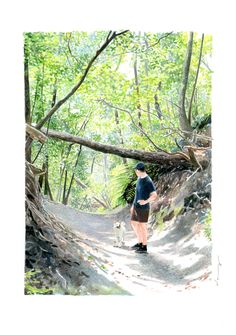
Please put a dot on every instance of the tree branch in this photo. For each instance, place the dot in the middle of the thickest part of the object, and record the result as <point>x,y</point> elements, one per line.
<point>121,33</point>
<point>137,126</point>
<point>159,40</point>
<point>69,48</point>
<point>150,46</point>
<point>76,87</point>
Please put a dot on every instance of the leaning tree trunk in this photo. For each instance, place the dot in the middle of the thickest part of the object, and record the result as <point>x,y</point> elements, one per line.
<point>195,82</point>
<point>183,119</point>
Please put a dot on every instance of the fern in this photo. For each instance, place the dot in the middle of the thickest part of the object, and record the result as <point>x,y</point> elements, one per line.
<point>121,177</point>
<point>33,285</point>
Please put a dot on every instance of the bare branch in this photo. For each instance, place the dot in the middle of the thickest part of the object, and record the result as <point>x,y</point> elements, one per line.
<point>159,40</point>
<point>122,32</point>
<point>69,48</point>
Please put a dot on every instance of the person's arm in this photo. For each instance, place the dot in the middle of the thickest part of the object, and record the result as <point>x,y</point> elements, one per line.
<point>153,197</point>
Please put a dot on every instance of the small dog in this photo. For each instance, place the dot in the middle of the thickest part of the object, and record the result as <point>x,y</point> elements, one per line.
<point>119,232</point>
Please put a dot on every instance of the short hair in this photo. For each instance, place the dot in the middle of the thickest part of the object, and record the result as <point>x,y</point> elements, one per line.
<point>140,166</point>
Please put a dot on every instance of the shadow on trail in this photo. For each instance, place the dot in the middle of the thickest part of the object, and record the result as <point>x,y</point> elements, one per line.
<point>172,254</point>
<point>154,267</point>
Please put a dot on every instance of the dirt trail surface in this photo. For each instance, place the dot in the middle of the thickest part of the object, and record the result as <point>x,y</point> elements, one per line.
<point>178,259</point>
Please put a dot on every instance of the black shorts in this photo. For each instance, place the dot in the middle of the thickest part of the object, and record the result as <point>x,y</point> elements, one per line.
<point>140,214</point>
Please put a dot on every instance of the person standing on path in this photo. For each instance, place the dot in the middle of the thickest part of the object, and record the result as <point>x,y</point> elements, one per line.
<point>145,193</point>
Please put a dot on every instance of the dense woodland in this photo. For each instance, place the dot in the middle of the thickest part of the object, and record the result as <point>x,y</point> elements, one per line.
<point>95,103</point>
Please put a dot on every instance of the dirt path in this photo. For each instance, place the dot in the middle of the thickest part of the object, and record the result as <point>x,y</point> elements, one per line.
<point>178,259</point>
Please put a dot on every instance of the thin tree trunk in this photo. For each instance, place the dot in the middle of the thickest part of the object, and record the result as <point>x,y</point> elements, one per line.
<point>73,175</point>
<point>184,122</point>
<point>45,176</point>
<point>137,89</point>
<point>157,105</point>
<point>35,95</point>
<point>195,83</point>
<point>196,101</point>
<point>92,165</point>
<point>41,93</point>
<point>58,197</point>
<point>83,126</point>
<point>147,73</point>
<point>28,117</point>
<point>47,190</point>
<point>64,188</point>
<point>54,94</point>
<point>41,177</point>
<point>117,121</point>
<point>120,132</point>
<point>63,171</point>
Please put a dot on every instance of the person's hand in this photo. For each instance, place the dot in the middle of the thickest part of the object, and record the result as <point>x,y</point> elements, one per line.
<point>131,209</point>
<point>142,202</point>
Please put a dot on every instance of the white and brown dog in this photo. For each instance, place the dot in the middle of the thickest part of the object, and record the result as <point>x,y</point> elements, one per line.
<point>119,232</point>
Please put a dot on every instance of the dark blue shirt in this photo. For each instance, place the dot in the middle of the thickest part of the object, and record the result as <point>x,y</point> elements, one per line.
<point>144,187</point>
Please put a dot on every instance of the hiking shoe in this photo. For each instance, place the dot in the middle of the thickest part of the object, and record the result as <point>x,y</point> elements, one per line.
<point>142,249</point>
<point>136,246</point>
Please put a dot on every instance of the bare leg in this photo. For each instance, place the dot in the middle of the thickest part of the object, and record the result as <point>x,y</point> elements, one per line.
<point>136,228</point>
<point>143,232</point>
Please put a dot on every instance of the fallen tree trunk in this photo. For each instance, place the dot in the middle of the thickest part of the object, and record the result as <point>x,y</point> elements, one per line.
<point>35,134</point>
<point>159,157</point>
